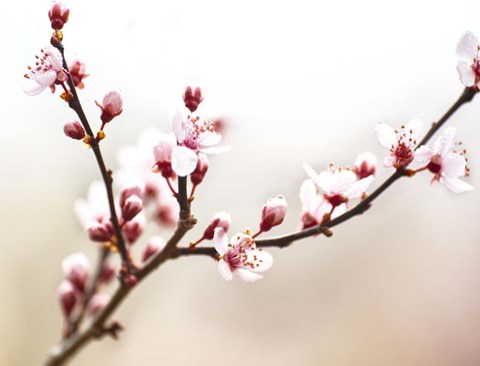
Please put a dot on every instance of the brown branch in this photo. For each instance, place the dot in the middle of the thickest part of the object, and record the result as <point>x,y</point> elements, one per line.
<point>74,103</point>
<point>62,352</point>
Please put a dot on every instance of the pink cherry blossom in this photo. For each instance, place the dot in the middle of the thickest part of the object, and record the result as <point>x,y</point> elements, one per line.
<point>48,71</point>
<point>76,268</point>
<point>194,135</point>
<point>192,98</point>
<point>199,173</point>
<point>95,208</point>
<point>162,152</point>
<point>365,165</point>
<point>131,207</point>
<point>338,185</point>
<point>240,256</point>
<point>78,71</point>
<point>98,303</point>
<point>273,213</point>
<point>68,298</point>
<point>112,106</point>
<point>314,206</point>
<point>468,49</point>
<point>155,245</point>
<point>401,142</point>
<point>58,15</point>
<point>219,220</point>
<point>446,164</point>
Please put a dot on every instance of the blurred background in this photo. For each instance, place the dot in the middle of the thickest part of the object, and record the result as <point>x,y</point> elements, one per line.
<point>297,82</point>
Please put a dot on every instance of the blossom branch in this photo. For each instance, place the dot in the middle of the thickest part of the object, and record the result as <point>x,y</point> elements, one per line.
<point>74,103</point>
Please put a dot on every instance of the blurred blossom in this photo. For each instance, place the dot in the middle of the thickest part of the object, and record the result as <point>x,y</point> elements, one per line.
<point>76,268</point>
<point>67,297</point>
<point>240,256</point>
<point>95,208</point>
<point>155,245</point>
<point>98,302</point>
<point>314,206</point>
<point>365,165</point>
<point>401,142</point>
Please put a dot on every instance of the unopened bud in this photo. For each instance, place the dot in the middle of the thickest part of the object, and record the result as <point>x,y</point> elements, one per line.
<point>130,280</point>
<point>220,219</point>
<point>199,173</point>
<point>74,130</point>
<point>58,15</point>
<point>273,213</point>
<point>108,272</point>
<point>67,297</point>
<point>100,232</point>
<point>132,230</point>
<point>98,303</point>
<point>78,73</point>
<point>162,153</point>
<point>76,268</point>
<point>192,98</point>
<point>365,165</point>
<point>130,191</point>
<point>132,207</point>
<point>155,245</point>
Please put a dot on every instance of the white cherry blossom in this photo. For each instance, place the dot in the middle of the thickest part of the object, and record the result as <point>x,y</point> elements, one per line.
<point>240,256</point>
<point>401,142</point>
<point>445,162</point>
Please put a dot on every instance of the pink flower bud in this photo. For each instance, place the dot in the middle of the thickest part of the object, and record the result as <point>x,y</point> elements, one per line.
<point>78,73</point>
<point>132,230</point>
<point>132,207</point>
<point>100,231</point>
<point>154,246</point>
<point>130,191</point>
<point>58,15</point>
<point>192,98</point>
<point>273,213</point>
<point>76,268</point>
<point>67,297</point>
<point>74,130</point>
<point>98,303</point>
<point>220,219</point>
<point>111,106</point>
<point>365,165</point>
<point>130,280</point>
<point>199,173</point>
<point>108,272</point>
<point>162,153</point>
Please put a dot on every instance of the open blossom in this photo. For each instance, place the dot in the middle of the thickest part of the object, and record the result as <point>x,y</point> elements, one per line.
<point>273,213</point>
<point>338,186</point>
<point>446,164</point>
<point>111,106</point>
<point>194,136</point>
<point>47,71</point>
<point>240,256</point>
<point>401,142</point>
<point>468,49</point>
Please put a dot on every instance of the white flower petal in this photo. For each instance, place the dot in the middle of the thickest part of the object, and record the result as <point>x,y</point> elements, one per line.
<point>359,187</point>
<point>466,74</point>
<point>179,122</point>
<point>184,161</point>
<point>311,173</point>
<point>389,161</point>
<point>423,154</point>
<point>215,150</point>
<point>386,135</point>
<point>444,142</point>
<point>467,46</point>
<point>248,276</point>
<point>308,195</point>
<point>341,181</point>
<point>224,270</point>
<point>260,257</point>
<point>221,241</point>
<point>416,127</point>
<point>455,185</point>
<point>34,89</point>
<point>208,138</point>
<point>453,165</point>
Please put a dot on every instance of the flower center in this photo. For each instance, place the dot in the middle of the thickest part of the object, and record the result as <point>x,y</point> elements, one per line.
<point>336,199</point>
<point>403,155</point>
<point>198,127</point>
<point>435,164</point>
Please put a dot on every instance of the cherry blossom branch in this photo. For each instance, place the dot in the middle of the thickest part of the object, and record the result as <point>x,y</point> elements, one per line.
<point>68,347</point>
<point>74,103</point>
